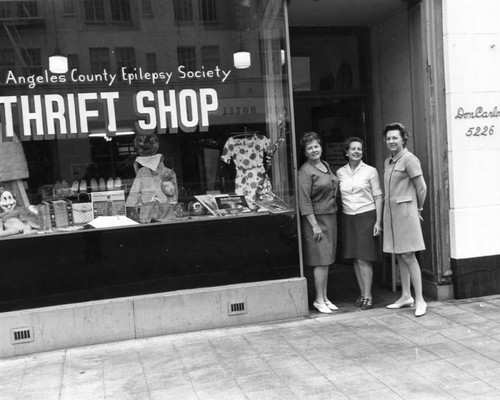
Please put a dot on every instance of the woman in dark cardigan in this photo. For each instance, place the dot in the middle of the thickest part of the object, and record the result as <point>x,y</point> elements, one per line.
<point>317,191</point>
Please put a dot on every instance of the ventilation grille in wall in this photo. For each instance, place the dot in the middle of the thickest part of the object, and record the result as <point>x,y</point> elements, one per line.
<point>237,307</point>
<point>21,335</point>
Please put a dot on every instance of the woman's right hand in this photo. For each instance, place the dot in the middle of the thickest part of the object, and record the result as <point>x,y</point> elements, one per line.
<point>318,233</point>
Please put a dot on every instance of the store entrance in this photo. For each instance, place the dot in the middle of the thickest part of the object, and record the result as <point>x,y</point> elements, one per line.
<point>330,72</point>
<point>332,76</point>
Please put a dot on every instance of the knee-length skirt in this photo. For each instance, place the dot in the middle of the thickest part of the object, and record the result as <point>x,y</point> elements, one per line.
<point>320,253</point>
<point>358,241</point>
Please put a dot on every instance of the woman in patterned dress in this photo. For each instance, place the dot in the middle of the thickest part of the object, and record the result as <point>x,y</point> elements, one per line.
<point>405,193</point>
<point>317,191</point>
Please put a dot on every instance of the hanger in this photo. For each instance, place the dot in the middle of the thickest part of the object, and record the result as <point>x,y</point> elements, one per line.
<point>245,133</point>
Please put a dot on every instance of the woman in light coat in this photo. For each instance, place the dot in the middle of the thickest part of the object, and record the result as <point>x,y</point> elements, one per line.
<point>405,193</point>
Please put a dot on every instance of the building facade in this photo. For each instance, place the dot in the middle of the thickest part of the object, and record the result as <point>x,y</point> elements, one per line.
<point>472,104</point>
<point>148,171</point>
<point>151,160</point>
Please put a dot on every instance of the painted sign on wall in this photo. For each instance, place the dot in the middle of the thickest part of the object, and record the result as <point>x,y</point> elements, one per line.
<point>480,120</point>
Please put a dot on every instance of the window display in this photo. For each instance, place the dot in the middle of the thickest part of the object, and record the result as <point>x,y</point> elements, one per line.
<point>15,219</point>
<point>247,151</point>
<point>147,115</point>
<point>154,183</point>
<point>139,152</point>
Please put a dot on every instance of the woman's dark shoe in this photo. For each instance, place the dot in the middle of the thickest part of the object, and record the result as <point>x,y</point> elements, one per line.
<point>359,301</point>
<point>367,304</point>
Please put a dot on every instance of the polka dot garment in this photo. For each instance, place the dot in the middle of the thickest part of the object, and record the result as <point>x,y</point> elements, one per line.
<point>248,156</point>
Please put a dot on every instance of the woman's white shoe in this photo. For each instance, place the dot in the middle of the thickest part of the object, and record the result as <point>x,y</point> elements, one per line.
<point>322,308</point>
<point>420,309</point>
<point>406,303</point>
<point>331,306</point>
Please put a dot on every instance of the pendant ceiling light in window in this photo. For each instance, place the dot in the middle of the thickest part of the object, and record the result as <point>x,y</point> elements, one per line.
<point>58,63</point>
<point>241,58</point>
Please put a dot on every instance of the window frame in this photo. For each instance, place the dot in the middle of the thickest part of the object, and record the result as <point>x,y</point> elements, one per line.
<point>68,7</point>
<point>94,51</point>
<point>208,8</point>
<point>120,12</point>
<point>183,11</point>
<point>98,11</point>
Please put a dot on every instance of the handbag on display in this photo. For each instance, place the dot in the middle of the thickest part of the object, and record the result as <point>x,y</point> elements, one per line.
<point>83,212</point>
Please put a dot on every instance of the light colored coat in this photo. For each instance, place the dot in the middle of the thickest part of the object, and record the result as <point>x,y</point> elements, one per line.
<point>13,163</point>
<point>402,230</point>
<point>150,171</point>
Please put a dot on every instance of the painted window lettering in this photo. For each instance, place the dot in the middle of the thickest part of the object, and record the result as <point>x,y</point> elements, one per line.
<point>54,114</point>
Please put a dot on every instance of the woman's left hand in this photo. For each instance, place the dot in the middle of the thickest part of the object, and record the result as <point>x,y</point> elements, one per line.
<point>377,229</point>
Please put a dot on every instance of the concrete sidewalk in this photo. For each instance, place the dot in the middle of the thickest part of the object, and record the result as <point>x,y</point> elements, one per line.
<point>453,352</point>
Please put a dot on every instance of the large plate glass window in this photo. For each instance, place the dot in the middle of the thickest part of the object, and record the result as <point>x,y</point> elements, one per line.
<point>150,112</point>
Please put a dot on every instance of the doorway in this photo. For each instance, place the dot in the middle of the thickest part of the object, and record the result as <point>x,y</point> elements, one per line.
<point>335,74</point>
<point>331,66</point>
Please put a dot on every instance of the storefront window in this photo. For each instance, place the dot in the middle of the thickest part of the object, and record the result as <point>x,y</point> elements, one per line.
<point>150,106</point>
<point>145,147</point>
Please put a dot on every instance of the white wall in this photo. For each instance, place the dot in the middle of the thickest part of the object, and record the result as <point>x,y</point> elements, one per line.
<point>472,70</point>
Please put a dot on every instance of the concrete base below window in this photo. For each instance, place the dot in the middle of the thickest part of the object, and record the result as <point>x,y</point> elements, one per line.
<point>153,315</point>
<point>475,277</point>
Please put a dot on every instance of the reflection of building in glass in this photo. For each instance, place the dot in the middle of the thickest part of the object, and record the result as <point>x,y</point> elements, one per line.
<point>131,62</point>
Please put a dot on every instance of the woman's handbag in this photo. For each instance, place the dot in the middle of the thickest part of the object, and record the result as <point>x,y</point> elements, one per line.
<point>83,212</point>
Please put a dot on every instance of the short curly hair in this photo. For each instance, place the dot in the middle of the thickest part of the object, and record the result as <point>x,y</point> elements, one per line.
<point>397,126</point>
<point>309,137</point>
<point>348,141</point>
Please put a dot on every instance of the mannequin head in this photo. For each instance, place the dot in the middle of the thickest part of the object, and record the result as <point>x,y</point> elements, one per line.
<point>168,186</point>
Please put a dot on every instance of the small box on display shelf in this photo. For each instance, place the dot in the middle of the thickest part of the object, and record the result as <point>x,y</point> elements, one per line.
<point>108,203</point>
<point>222,205</point>
<point>232,204</point>
<point>58,212</point>
<point>44,218</point>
